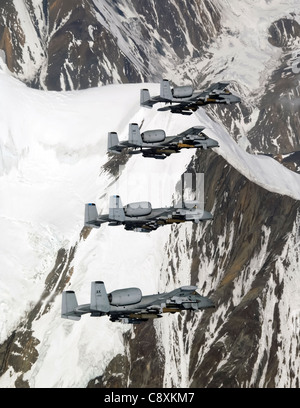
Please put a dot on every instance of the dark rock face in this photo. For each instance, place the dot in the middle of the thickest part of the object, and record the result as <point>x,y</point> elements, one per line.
<point>283,32</point>
<point>277,127</point>
<point>88,43</point>
<point>19,350</point>
<point>11,40</point>
<point>259,226</point>
<point>78,49</point>
<point>142,366</point>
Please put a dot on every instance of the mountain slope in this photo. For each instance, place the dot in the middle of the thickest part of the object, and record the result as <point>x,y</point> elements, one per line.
<point>53,160</point>
<point>53,180</point>
<point>63,46</point>
<point>60,45</point>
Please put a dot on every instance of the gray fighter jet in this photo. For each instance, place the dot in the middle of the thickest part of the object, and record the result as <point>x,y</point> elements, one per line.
<point>155,143</point>
<point>141,217</point>
<point>186,99</point>
<point>129,306</point>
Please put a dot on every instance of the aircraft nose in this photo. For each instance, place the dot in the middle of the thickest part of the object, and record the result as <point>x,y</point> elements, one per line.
<point>207,215</point>
<point>210,303</point>
<point>214,143</point>
<point>206,303</point>
<point>235,99</point>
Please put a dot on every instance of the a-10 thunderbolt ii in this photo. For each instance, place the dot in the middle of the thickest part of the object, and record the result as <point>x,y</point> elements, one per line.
<point>130,306</point>
<point>141,217</point>
<point>186,99</point>
<point>155,143</point>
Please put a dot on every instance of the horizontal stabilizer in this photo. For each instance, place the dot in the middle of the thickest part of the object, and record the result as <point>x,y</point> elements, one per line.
<point>165,108</point>
<point>69,305</point>
<point>145,99</point>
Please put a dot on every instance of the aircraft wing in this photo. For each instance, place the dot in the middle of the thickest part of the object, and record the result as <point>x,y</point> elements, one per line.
<point>102,218</point>
<point>193,131</point>
<point>182,291</point>
<point>117,149</point>
<point>215,88</point>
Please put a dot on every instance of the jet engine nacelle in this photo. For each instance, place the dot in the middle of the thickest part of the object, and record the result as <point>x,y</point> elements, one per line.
<point>153,136</point>
<point>139,209</point>
<point>123,297</point>
<point>183,91</point>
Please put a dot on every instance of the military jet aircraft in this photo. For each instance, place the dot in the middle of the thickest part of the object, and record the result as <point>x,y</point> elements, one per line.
<point>187,100</point>
<point>141,217</point>
<point>130,306</point>
<point>155,143</point>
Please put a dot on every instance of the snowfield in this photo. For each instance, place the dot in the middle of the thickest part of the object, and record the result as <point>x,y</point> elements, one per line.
<point>52,148</point>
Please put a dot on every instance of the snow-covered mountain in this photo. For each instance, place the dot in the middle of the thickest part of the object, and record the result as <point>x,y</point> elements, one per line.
<point>73,45</point>
<point>53,160</point>
<point>58,45</point>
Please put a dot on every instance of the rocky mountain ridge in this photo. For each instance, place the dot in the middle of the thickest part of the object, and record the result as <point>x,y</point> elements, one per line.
<point>79,44</point>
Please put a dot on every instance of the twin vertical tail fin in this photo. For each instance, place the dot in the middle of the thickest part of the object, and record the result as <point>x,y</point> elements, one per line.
<point>99,298</point>
<point>116,210</point>
<point>69,305</point>
<point>113,142</point>
<point>145,99</point>
<point>165,93</point>
<point>91,215</point>
<point>99,303</point>
<point>134,136</point>
<point>165,90</point>
<point>116,213</point>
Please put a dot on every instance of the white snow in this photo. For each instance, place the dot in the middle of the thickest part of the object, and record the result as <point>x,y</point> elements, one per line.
<point>262,170</point>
